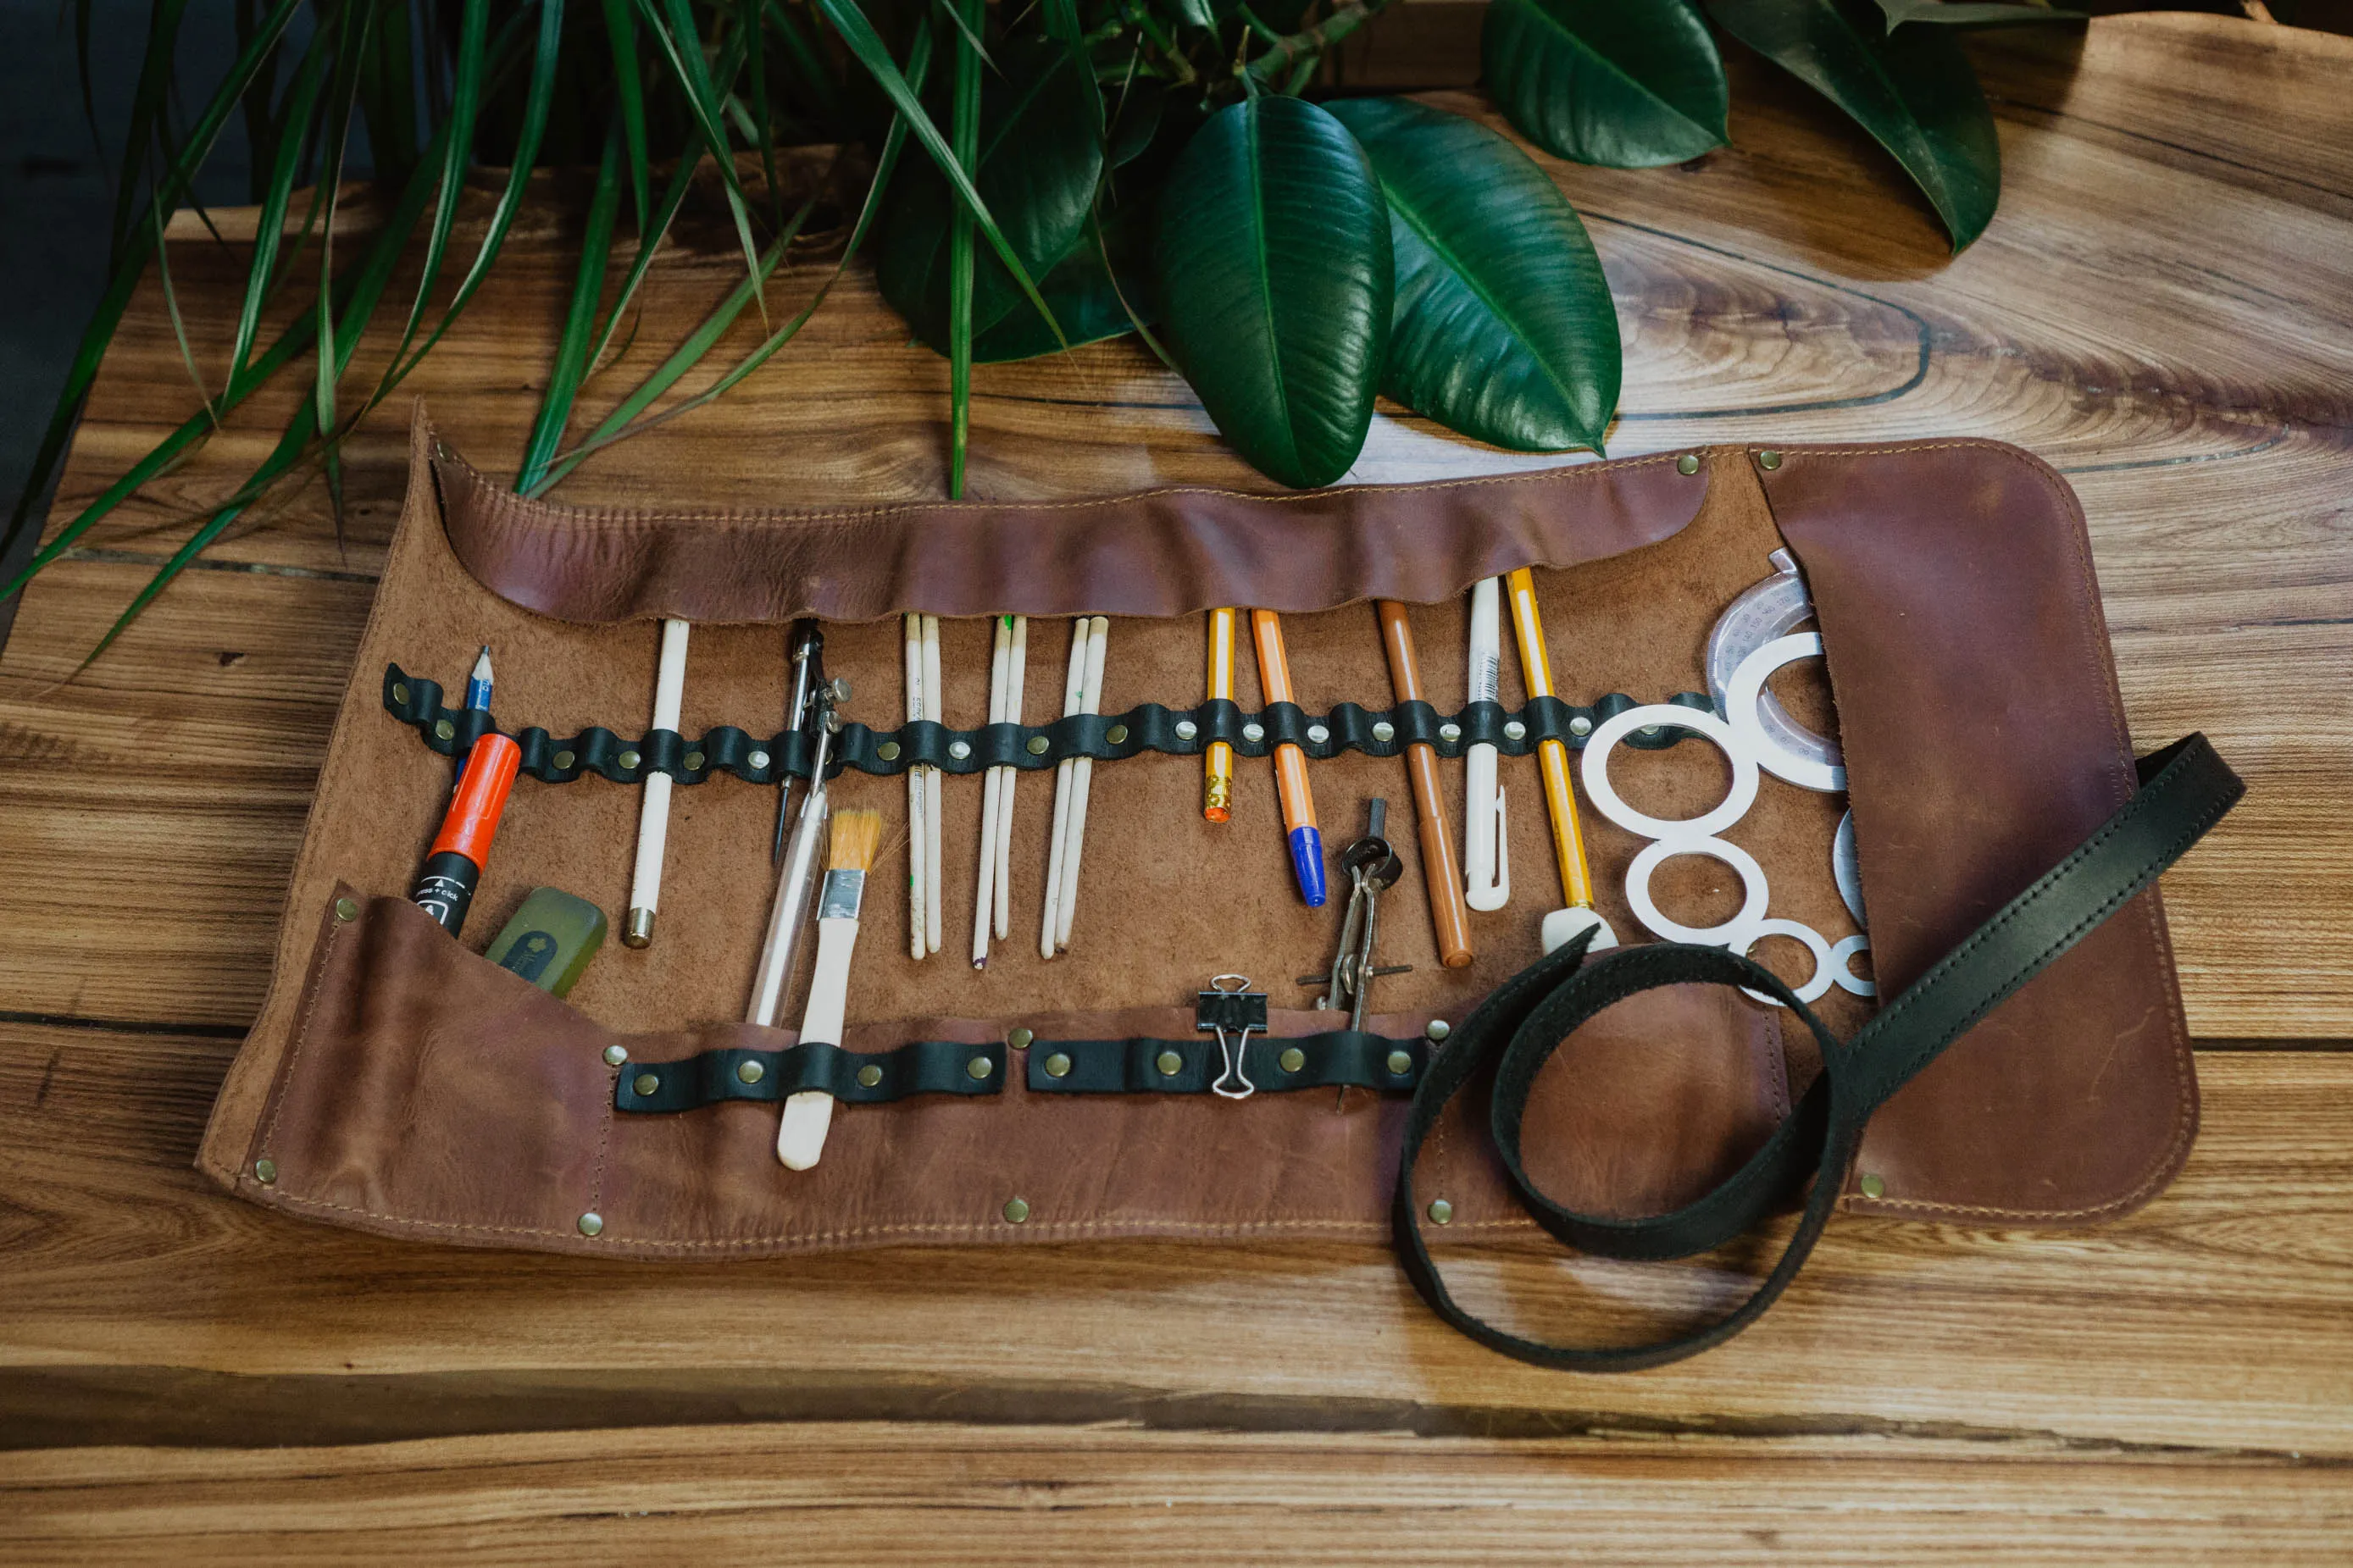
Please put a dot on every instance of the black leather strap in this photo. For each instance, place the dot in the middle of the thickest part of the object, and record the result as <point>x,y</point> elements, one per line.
<point>926,1067</point>
<point>2185,790</point>
<point>1343,1057</point>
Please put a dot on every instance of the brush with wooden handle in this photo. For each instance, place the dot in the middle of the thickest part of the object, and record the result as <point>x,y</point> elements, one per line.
<point>800,1137</point>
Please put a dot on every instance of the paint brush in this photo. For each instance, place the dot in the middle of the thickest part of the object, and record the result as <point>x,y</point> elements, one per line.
<point>984,896</point>
<point>1074,833</point>
<point>936,709</point>
<point>800,1136</point>
<point>918,892</point>
<point>1073,686</point>
<point>653,813</point>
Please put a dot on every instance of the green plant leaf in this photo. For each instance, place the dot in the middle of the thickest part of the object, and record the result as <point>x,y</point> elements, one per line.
<point>1973,13</point>
<point>1914,90</point>
<point>1275,284</point>
<point>268,236</point>
<point>683,45</point>
<point>1504,329</point>
<point>1039,160</point>
<point>1088,303</point>
<point>1627,83</point>
<point>630,93</point>
<point>564,377</point>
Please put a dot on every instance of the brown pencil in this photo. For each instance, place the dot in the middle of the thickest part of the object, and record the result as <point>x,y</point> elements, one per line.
<point>1448,914</point>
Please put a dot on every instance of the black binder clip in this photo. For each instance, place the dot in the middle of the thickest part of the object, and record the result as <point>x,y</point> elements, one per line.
<point>1230,1010</point>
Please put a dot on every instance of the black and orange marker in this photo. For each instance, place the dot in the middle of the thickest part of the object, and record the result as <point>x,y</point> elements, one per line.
<point>453,866</point>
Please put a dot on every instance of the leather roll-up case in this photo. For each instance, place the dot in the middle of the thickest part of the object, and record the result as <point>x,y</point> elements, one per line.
<point>398,1083</point>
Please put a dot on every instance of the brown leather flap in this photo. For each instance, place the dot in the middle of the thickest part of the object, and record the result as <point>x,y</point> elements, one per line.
<point>398,1083</point>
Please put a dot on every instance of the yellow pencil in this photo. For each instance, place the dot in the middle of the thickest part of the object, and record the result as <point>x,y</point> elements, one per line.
<point>1218,789</point>
<point>1552,757</point>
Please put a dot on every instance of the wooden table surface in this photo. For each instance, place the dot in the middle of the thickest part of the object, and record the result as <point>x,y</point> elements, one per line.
<point>2164,309</point>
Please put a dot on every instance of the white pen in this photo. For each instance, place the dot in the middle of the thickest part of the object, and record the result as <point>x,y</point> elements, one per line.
<point>1486,859</point>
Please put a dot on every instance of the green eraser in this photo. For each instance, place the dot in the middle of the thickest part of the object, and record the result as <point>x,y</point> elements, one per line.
<point>550,939</point>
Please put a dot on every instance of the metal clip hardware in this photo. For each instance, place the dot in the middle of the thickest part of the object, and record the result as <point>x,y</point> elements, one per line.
<point>1230,1010</point>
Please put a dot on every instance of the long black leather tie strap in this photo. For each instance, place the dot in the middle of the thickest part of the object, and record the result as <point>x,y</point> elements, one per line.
<point>926,1067</point>
<point>2185,789</point>
<point>1341,1058</point>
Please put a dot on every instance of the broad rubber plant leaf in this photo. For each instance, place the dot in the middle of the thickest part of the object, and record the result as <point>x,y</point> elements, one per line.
<point>1972,13</point>
<point>1629,83</point>
<point>1086,302</point>
<point>1041,159</point>
<point>1913,89</point>
<point>1502,328</point>
<point>1276,282</point>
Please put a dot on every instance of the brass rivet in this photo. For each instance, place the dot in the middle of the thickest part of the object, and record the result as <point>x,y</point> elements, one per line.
<point>1436,1030</point>
<point>1872,1187</point>
<point>888,750</point>
<point>694,762</point>
<point>645,1083</point>
<point>1400,1061</point>
<point>563,760</point>
<point>869,1075</point>
<point>1117,735</point>
<point>750,1072</point>
<point>757,760</point>
<point>1688,463</point>
<point>1292,1059</point>
<point>266,1172</point>
<point>592,1223</point>
<point>347,909</point>
<point>1035,745</point>
<point>1768,459</point>
<point>978,1067</point>
<point>1187,728</point>
<point>628,759</point>
<point>443,731</point>
<point>1384,732</point>
<point>1169,1063</point>
<point>615,1055</point>
<point>1019,1039</point>
<point>441,452</point>
<point>1441,1211</point>
<point>1016,1209</point>
<point>400,693</point>
<point>959,750</point>
<point>1058,1064</point>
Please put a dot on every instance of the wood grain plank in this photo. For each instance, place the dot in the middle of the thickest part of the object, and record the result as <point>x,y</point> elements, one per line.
<point>141,1304</point>
<point>851,1492</point>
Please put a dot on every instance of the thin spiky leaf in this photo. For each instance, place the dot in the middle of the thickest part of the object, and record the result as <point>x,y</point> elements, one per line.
<point>268,238</point>
<point>703,103</point>
<point>965,142</point>
<point>580,319</point>
<point>629,92</point>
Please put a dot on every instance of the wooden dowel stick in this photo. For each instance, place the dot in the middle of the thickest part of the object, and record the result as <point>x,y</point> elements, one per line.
<point>653,810</point>
<point>916,836</point>
<point>1073,687</point>
<point>1017,671</point>
<point>935,709</point>
<point>1081,780</point>
<point>984,900</point>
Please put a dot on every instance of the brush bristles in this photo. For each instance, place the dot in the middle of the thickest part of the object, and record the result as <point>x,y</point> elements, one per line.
<point>856,833</point>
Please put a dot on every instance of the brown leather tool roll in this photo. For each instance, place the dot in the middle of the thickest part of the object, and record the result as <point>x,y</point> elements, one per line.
<point>397,1081</point>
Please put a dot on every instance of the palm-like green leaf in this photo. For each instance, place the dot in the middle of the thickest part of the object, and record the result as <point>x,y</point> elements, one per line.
<point>1503,328</point>
<point>580,319</point>
<point>683,46</point>
<point>1276,282</point>
<point>629,96</point>
<point>1629,83</point>
<point>965,142</point>
<point>1914,90</point>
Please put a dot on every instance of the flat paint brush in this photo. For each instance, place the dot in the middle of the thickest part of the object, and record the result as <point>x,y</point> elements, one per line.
<point>800,1136</point>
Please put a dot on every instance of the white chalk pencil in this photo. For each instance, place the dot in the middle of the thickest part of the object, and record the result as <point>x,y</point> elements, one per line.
<point>1073,686</point>
<point>800,1134</point>
<point>653,811</point>
<point>1081,780</point>
<point>1017,673</point>
<point>916,892</point>
<point>935,709</point>
<point>984,898</point>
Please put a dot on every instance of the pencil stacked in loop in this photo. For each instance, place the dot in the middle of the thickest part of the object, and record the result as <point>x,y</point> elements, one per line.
<point>800,1136</point>
<point>1082,693</point>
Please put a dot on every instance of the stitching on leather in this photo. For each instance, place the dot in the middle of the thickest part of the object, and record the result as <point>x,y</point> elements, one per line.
<point>301,1036</point>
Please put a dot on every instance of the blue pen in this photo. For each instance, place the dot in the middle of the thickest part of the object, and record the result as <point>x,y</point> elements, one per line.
<point>1290,763</point>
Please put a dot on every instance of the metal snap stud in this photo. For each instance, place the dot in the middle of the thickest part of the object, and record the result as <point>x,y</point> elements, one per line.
<point>266,1172</point>
<point>1019,1039</point>
<point>592,1223</point>
<point>757,760</point>
<point>1515,731</point>
<point>1441,1211</point>
<point>563,760</point>
<point>1400,1062</point>
<point>1872,1187</point>
<point>347,909</point>
<point>1318,734</point>
<point>1291,1059</point>
<point>1768,459</point>
<point>888,750</point>
<point>628,759</point>
<point>1058,1064</point>
<point>1169,1063</point>
<point>400,693</point>
<point>615,1055</point>
<point>750,1072</point>
<point>959,750</point>
<point>1580,726</point>
<point>1117,734</point>
<point>978,1067</point>
<point>1035,745</point>
<point>443,731</point>
<point>644,1084</point>
<point>1384,732</point>
<point>1450,734</point>
<point>869,1075</point>
<point>1187,728</point>
<point>1436,1030</point>
<point>1016,1210</point>
<point>694,762</point>
<point>1688,463</point>
<point>1253,732</point>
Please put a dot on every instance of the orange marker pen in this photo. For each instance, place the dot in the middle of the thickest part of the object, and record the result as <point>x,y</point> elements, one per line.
<point>453,866</point>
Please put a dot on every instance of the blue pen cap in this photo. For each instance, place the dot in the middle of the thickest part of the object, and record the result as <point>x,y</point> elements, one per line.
<point>1307,863</point>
